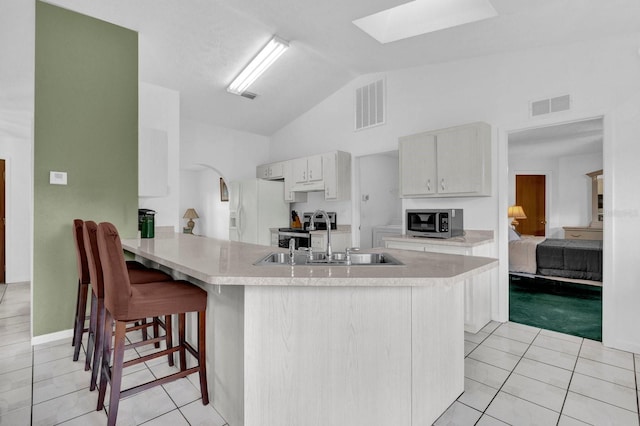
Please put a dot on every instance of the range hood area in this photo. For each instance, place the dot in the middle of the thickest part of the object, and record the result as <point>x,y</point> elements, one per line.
<point>308,187</point>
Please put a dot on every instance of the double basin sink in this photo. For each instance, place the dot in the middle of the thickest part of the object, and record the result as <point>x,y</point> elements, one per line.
<point>338,259</point>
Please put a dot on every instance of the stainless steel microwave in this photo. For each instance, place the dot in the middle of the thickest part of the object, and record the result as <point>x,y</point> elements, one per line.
<point>435,223</point>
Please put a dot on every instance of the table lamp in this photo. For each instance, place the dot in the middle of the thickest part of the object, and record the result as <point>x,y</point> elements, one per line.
<point>190,214</point>
<point>516,212</point>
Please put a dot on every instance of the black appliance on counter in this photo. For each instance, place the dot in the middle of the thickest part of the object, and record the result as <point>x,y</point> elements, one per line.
<point>435,223</point>
<point>146,223</point>
<point>302,236</point>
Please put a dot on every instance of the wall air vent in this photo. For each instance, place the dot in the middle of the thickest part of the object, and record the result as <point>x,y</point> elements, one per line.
<point>547,106</point>
<point>370,105</point>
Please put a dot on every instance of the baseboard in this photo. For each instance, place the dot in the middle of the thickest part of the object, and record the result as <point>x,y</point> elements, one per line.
<point>52,337</point>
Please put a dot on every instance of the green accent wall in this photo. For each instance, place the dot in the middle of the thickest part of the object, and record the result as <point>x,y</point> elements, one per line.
<point>86,124</point>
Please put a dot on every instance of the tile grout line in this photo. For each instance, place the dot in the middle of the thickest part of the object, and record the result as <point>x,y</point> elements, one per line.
<point>573,370</point>
<point>510,372</point>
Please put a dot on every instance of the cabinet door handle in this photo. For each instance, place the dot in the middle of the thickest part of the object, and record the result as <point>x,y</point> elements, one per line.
<point>442,184</point>
<point>304,175</point>
<point>429,185</point>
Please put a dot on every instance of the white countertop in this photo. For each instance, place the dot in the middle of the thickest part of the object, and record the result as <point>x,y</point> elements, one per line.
<point>471,238</point>
<point>224,262</point>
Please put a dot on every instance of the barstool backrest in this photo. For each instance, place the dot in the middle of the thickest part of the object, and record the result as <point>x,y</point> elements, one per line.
<point>81,254</point>
<point>117,287</point>
<point>90,233</point>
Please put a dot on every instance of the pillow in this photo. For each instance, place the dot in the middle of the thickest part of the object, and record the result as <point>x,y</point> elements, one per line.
<point>513,234</point>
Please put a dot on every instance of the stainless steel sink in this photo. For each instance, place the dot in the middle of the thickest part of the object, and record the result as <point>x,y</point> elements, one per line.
<point>339,259</point>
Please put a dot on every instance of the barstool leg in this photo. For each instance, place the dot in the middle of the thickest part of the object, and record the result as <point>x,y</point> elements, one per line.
<point>99,343</point>
<point>116,371</point>
<point>107,334</point>
<point>91,340</point>
<point>181,341</point>
<point>202,356</point>
<point>81,308</point>
<point>168,329</point>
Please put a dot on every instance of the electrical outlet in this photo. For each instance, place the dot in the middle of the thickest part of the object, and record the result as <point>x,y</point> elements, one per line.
<point>58,178</point>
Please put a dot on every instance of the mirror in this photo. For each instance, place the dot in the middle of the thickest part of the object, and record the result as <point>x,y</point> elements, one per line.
<point>597,206</point>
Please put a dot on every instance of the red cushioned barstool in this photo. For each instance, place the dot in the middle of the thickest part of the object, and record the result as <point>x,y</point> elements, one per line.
<point>96,324</point>
<point>84,279</point>
<point>125,303</point>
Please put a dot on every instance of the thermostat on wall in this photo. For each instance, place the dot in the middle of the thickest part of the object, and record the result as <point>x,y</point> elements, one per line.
<point>58,178</point>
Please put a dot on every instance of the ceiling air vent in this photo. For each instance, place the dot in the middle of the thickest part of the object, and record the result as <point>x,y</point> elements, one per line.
<point>248,95</point>
<point>547,106</point>
<point>370,105</point>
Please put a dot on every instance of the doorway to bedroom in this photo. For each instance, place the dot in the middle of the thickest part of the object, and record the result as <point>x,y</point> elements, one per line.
<point>555,264</point>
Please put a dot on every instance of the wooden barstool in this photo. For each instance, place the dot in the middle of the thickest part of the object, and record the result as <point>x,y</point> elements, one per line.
<point>125,303</point>
<point>137,276</point>
<point>84,279</point>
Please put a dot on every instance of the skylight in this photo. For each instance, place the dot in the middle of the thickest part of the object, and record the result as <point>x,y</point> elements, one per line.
<point>423,16</point>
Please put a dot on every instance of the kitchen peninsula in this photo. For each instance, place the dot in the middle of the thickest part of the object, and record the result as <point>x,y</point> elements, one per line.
<point>325,345</point>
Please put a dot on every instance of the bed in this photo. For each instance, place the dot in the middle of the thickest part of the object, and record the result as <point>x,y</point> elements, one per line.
<point>576,259</point>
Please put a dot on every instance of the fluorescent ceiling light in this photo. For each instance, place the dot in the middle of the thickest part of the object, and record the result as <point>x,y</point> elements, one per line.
<point>423,16</point>
<point>258,65</point>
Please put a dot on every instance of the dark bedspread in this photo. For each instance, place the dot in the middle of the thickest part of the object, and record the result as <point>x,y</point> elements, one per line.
<point>581,259</point>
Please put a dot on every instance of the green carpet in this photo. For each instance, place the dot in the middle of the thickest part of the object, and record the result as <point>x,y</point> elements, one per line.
<point>555,305</point>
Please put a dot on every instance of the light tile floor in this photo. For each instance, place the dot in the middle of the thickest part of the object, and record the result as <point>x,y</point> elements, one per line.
<point>41,385</point>
<point>514,374</point>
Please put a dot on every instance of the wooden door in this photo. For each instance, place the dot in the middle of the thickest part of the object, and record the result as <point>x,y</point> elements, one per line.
<point>2,221</point>
<point>530,194</point>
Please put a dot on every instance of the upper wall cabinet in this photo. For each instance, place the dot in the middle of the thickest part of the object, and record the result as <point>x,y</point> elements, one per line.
<point>153,163</point>
<point>307,169</point>
<point>271,171</point>
<point>330,173</point>
<point>453,162</point>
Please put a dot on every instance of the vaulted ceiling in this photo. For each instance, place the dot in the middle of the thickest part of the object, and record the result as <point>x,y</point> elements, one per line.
<point>198,46</point>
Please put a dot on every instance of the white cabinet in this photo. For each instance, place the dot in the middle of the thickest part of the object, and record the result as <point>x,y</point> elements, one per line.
<point>330,173</point>
<point>289,195</point>
<point>337,175</point>
<point>271,171</point>
<point>446,163</point>
<point>153,163</point>
<point>307,169</point>
<point>477,290</point>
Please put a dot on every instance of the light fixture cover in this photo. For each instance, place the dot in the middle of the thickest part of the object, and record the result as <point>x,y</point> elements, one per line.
<point>258,65</point>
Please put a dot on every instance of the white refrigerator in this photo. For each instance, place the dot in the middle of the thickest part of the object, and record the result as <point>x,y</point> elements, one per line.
<point>255,206</point>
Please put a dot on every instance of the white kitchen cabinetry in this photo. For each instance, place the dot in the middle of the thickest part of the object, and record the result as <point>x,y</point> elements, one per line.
<point>453,162</point>
<point>289,195</point>
<point>153,163</point>
<point>271,171</point>
<point>329,172</point>
<point>337,175</point>
<point>307,169</point>
<point>339,241</point>
<point>477,290</point>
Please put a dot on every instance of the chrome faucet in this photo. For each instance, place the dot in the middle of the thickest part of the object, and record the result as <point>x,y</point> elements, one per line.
<point>292,251</point>
<point>329,252</point>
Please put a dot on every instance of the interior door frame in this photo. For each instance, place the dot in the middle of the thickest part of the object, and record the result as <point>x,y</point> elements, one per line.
<point>500,298</point>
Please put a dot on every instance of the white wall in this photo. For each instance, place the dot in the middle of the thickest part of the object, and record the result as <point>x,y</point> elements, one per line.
<point>599,75</point>
<point>17,50</point>
<point>159,108</point>
<point>201,190</point>
<point>206,154</point>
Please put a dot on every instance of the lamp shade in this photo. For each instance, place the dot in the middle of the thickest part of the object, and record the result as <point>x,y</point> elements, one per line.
<point>190,214</point>
<point>517,212</point>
